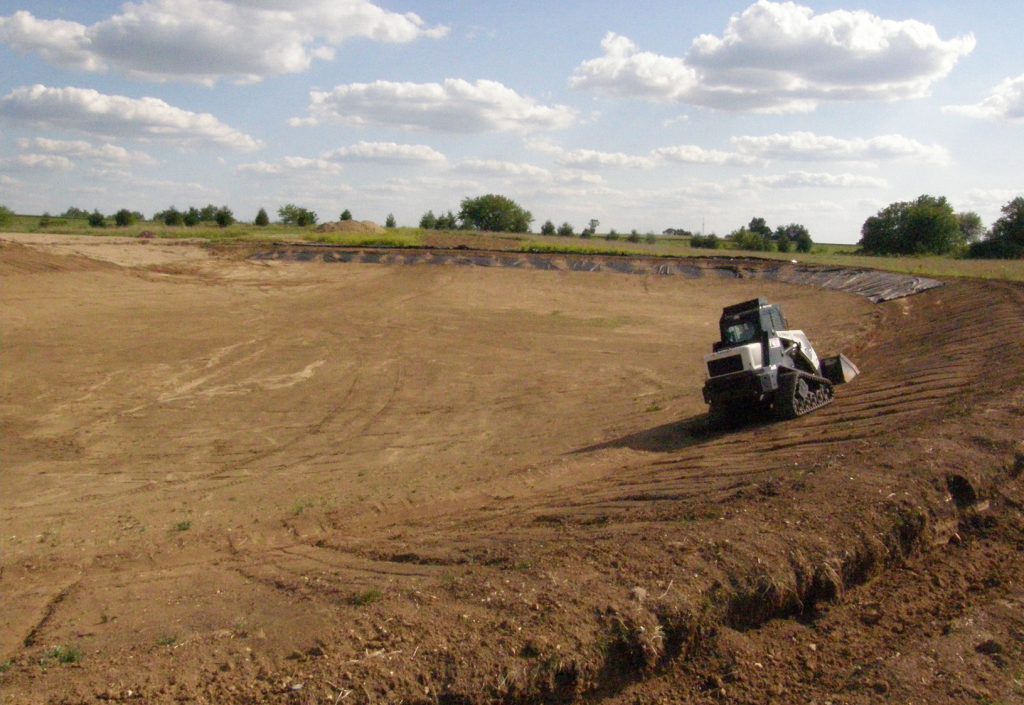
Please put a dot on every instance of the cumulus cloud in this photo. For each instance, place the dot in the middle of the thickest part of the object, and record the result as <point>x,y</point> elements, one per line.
<point>1005,103</point>
<point>503,168</point>
<point>808,146</point>
<point>453,106</point>
<point>804,179</point>
<point>290,165</point>
<point>210,40</point>
<point>692,154</point>
<point>591,158</point>
<point>90,111</point>
<point>386,152</point>
<point>80,149</point>
<point>782,57</point>
<point>41,162</point>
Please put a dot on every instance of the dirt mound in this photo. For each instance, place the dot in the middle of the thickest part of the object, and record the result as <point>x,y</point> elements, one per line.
<point>350,226</point>
<point>16,258</point>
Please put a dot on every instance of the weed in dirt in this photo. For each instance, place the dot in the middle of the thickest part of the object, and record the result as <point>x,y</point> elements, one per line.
<point>63,655</point>
<point>6,666</point>
<point>301,505</point>
<point>652,408</point>
<point>167,640</point>
<point>367,598</point>
<point>182,526</point>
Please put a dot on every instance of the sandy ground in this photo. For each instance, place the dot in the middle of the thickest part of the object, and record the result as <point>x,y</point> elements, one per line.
<point>231,481</point>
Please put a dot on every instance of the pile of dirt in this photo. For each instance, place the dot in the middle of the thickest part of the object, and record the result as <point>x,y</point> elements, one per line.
<point>350,226</point>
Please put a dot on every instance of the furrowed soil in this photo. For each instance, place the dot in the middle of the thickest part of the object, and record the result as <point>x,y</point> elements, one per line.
<point>235,481</point>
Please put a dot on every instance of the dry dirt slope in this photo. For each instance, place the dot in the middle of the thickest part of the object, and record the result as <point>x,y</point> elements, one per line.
<point>226,482</point>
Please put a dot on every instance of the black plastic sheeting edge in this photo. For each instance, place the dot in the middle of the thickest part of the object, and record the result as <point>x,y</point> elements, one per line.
<point>875,285</point>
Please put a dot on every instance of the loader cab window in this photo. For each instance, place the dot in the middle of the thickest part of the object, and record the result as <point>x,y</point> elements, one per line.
<point>740,331</point>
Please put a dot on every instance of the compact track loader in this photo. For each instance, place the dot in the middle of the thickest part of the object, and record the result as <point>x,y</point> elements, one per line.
<point>761,368</point>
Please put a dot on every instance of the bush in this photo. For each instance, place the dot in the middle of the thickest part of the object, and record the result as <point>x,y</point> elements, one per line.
<point>651,239</point>
<point>750,240</point>
<point>710,242</point>
<point>612,235</point>
<point>192,217</point>
<point>123,218</point>
<point>548,228</point>
<point>345,215</point>
<point>224,217</point>
<point>292,214</point>
<point>262,219</point>
<point>5,215</point>
<point>389,222</point>
<point>565,230</point>
<point>428,221</point>
<point>634,236</point>
<point>170,217</point>
<point>96,220</point>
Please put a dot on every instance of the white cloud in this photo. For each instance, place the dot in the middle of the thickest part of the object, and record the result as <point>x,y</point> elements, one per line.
<point>594,158</point>
<point>209,40</point>
<point>290,165</point>
<point>453,106</point>
<point>692,154</point>
<point>782,57</point>
<point>80,149</point>
<point>494,166</point>
<point>386,152</point>
<point>804,179</point>
<point>808,146</point>
<point>1006,102</point>
<point>43,162</point>
<point>96,113</point>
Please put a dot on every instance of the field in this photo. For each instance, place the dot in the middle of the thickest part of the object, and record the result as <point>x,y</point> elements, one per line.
<point>238,480</point>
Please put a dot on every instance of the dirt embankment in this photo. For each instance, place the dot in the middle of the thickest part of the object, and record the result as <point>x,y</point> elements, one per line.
<point>242,482</point>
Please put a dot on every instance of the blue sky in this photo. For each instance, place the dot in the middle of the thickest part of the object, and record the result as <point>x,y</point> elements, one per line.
<point>643,115</point>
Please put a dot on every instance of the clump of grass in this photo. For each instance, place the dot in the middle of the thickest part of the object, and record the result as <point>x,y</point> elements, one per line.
<point>167,640</point>
<point>6,665</point>
<point>64,654</point>
<point>182,526</point>
<point>301,505</point>
<point>367,597</point>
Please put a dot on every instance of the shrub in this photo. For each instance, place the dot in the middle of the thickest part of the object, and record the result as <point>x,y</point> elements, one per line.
<point>96,220</point>
<point>389,222</point>
<point>345,215</point>
<point>224,217</point>
<point>292,214</point>
<point>5,215</point>
<point>565,230</point>
<point>123,218</point>
<point>710,242</point>
<point>548,228</point>
<point>495,213</point>
<point>262,219</point>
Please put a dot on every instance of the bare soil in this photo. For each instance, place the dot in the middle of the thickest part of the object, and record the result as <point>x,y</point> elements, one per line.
<point>236,481</point>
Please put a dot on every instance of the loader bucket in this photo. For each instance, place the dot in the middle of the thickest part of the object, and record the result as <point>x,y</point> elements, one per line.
<point>838,369</point>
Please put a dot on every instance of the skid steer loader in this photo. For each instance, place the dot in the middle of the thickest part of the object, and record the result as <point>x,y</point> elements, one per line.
<point>761,368</point>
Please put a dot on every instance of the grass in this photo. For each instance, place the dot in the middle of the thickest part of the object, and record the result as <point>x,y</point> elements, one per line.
<point>301,505</point>
<point>167,640</point>
<point>63,655</point>
<point>823,254</point>
<point>182,526</point>
<point>6,665</point>
<point>367,597</point>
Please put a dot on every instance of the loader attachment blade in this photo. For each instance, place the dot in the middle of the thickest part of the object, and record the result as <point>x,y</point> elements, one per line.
<point>838,369</point>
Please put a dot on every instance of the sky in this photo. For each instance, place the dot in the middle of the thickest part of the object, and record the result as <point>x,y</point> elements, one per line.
<point>646,115</point>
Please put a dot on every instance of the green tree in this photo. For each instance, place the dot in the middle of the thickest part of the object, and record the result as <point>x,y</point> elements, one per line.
<point>759,226</point>
<point>96,220</point>
<point>172,217</point>
<point>6,214</point>
<point>192,217</point>
<point>428,221</point>
<point>447,221</point>
<point>971,227</point>
<point>1005,240</point>
<point>73,212</point>
<point>651,238</point>
<point>548,228</point>
<point>262,219</point>
<point>224,217</point>
<point>208,213</point>
<point>495,213</point>
<point>123,218</point>
<point>592,226</point>
<point>345,215</point>
<point>612,235</point>
<point>710,242</point>
<point>389,222</point>
<point>565,230</point>
<point>292,214</point>
<point>926,225</point>
<point>746,239</point>
<point>634,236</point>
<point>793,235</point>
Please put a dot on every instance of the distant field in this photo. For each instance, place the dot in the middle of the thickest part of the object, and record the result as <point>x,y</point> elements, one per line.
<point>671,246</point>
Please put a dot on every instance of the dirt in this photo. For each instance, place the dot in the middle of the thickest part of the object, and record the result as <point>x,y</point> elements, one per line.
<point>350,226</point>
<point>235,481</point>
